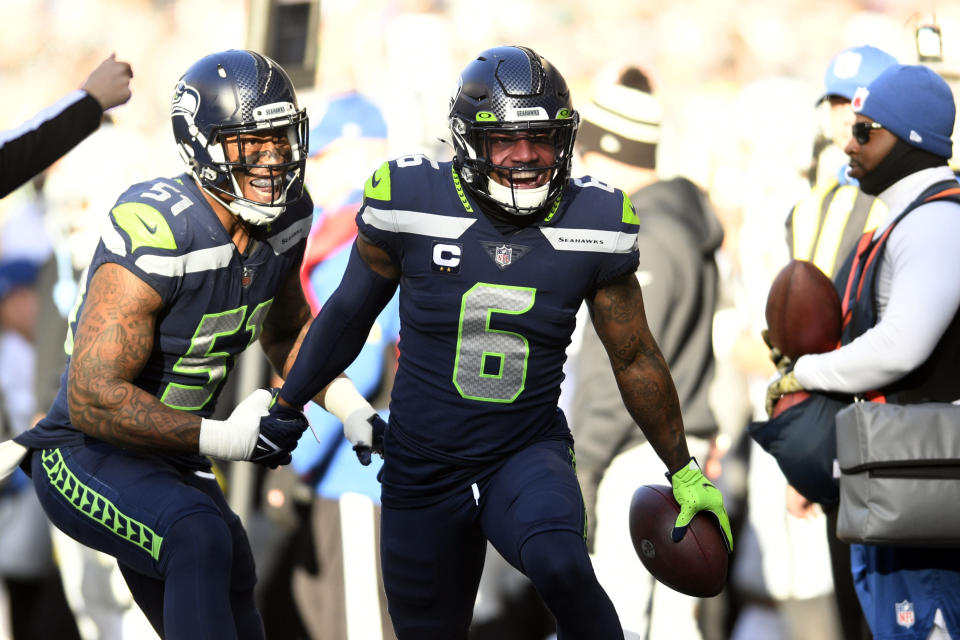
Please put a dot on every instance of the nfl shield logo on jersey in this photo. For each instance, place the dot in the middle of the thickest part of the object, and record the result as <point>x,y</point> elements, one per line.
<point>504,256</point>
<point>905,617</point>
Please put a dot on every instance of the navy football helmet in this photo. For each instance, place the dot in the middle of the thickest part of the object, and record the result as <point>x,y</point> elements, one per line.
<point>506,90</point>
<point>227,94</point>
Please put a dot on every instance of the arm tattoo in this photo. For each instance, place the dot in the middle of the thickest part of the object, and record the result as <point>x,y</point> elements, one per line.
<point>641,372</point>
<point>113,343</point>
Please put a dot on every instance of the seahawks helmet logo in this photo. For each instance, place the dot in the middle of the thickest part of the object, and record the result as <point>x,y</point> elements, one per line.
<point>186,102</point>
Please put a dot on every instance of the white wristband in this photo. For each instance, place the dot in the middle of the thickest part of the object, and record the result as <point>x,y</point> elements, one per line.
<point>345,402</point>
<point>222,439</point>
<point>342,398</point>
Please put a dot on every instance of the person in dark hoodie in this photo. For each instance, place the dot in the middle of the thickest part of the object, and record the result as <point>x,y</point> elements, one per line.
<point>678,236</point>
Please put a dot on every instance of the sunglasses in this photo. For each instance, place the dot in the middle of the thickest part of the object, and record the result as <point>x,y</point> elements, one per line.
<point>861,131</point>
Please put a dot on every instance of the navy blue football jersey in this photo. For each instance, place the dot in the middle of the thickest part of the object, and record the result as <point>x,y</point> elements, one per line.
<point>486,315</point>
<point>215,299</point>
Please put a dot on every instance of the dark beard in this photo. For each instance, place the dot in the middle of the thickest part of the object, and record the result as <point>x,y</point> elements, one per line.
<point>902,160</point>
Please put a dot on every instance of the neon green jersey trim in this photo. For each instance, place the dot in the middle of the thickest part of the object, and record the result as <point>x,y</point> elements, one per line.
<point>378,185</point>
<point>96,507</point>
<point>145,226</point>
<point>629,213</point>
<point>553,209</point>
<point>459,187</point>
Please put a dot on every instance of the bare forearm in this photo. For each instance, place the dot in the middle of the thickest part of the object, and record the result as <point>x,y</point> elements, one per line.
<point>286,326</point>
<point>642,375</point>
<point>282,351</point>
<point>651,398</point>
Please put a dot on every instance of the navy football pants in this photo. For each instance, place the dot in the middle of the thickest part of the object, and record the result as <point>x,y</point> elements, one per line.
<point>532,512</point>
<point>182,551</point>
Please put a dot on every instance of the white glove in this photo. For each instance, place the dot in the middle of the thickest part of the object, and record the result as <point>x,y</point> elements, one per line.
<point>235,437</point>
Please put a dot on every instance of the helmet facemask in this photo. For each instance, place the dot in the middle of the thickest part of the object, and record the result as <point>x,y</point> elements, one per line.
<point>514,192</point>
<point>251,159</point>
<point>219,176</point>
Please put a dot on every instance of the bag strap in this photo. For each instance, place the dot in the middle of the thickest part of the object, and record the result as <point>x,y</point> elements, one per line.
<point>869,247</point>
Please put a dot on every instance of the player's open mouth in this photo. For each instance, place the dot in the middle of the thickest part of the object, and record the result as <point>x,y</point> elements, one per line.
<point>267,187</point>
<point>529,179</point>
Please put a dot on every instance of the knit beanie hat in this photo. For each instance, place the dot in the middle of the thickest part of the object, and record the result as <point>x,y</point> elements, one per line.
<point>913,103</point>
<point>852,68</point>
<point>622,121</point>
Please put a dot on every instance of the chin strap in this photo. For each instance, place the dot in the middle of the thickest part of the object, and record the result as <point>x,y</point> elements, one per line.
<point>248,212</point>
<point>530,199</point>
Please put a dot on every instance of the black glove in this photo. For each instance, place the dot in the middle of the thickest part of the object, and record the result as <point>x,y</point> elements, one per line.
<point>363,451</point>
<point>280,430</point>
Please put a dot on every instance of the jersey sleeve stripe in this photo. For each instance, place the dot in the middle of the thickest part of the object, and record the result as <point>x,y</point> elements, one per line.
<point>112,239</point>
<point>593,240</point>
<point>209,259</point>
<point>416,222</point>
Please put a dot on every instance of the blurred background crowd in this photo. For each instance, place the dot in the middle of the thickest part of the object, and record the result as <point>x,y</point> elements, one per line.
<point>737,80</point>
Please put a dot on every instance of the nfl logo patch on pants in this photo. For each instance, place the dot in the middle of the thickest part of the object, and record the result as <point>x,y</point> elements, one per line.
<point>905,617</point>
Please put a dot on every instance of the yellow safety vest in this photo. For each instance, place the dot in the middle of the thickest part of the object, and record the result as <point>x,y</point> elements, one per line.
<point>824,227</point>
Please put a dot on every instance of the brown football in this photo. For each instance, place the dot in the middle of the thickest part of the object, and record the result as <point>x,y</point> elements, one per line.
<point>803,311</point>
<point>697,565</point>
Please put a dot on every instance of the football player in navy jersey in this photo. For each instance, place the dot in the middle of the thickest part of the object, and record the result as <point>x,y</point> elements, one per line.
<point>188,272</point>
<point>493,253</point>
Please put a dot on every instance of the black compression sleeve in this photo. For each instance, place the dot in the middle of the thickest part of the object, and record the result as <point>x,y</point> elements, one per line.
<point>339,331</point>
<point>35,145</point>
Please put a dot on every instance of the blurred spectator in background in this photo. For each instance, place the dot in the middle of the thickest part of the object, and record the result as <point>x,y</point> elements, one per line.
<point>37,605</point>
<point>824,228</point>
<point>901,337</point>
<point>337,576</point>
<point>678,237</point>
<point>37,143</point>
<point>779,582</point>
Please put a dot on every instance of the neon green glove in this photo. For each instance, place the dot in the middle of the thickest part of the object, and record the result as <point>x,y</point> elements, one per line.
<point>786,383</point>
<point>694,493</point>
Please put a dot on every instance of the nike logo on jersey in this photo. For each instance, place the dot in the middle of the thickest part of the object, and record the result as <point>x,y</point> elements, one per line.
<point>375,181</point>
<point>152,228</point>
<point>446,257</point>
<point>504,254</point>
<point>144,225</point>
